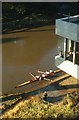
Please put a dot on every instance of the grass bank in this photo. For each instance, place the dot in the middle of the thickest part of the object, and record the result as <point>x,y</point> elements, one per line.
<point>36,107</point>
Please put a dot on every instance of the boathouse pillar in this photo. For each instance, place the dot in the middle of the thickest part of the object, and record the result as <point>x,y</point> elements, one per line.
<point>74,51</point>
<point>65,48</point>
<point>69,46</point>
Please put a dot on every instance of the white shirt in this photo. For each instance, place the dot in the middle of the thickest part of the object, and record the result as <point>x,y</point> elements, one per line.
<point>50,71</point>
<point>43,75</point>
<point>47,72</point>
<point>37,76</point>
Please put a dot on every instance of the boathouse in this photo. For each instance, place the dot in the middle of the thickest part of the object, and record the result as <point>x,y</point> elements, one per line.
<point>67,29</point>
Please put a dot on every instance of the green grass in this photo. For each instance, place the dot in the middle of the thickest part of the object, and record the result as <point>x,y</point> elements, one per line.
<point>35,107</point>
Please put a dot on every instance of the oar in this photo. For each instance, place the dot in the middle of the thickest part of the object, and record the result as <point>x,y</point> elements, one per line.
<point>57,71</point>
<point>40,71</point>
<point>32,75</point>
<point>46,79</point>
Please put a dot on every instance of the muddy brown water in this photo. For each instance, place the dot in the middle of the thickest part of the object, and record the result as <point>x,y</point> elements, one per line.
<point>24,52</point>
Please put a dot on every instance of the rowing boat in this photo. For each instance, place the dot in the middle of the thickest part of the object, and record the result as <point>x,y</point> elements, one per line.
<point>44,76</point>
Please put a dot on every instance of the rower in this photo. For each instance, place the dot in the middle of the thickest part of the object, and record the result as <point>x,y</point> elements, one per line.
<point>43,75</point>
<point>47,72</point>
<point>50,71</point>
<point>61,54</point>
<point>44,95</point>
<point>37,76</point>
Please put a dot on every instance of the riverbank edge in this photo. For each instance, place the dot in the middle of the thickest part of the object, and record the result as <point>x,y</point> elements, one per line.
<point>23,98</point>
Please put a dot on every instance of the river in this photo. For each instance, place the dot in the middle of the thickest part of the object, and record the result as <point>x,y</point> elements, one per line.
<point>24,52</point>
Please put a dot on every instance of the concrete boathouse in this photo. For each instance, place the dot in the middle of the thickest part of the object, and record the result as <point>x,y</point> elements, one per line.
<point>67,29</point>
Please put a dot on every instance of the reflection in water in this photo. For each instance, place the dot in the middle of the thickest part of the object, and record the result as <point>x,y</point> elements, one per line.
<point>28,52</point>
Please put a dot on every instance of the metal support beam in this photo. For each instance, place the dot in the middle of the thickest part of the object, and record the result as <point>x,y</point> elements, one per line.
<point>74,51</point>
<point>70,46</point>
<point>65,48</point>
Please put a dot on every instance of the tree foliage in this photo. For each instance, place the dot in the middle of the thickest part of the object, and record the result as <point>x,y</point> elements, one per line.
<point>18,10</point>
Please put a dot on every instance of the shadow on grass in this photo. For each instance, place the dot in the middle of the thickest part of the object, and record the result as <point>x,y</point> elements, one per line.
<point>54,99</point>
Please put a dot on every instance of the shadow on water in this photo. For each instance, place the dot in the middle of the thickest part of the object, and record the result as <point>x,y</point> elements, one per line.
<point>31,30</point>
<point>25,28</point>
<point>51,87</point>
<point>0,41</point>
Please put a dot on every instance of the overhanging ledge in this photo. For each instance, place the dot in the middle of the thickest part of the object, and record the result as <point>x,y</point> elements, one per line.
<point>67,66</point>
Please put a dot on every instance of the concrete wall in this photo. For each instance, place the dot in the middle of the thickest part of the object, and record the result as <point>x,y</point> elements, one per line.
<point>67,29</point>
<point>67,66</point>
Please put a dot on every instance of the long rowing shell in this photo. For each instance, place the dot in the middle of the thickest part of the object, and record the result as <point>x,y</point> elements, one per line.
<point>33,80</point>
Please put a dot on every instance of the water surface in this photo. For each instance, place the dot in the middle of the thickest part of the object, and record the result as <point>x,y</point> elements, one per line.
<point>24,52</point>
